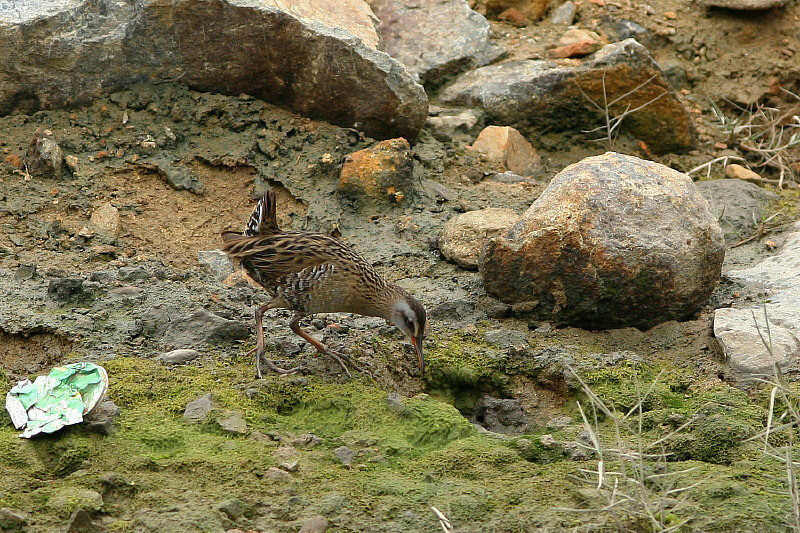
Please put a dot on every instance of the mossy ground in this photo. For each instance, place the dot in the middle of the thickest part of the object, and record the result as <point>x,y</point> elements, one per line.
<point>158,472</point>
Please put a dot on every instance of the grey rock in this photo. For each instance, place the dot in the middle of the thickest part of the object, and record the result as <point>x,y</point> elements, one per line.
<point>505,338</point>
<point>745,5</point>
<point>307,440</point>
<point>199,409</point>
<point>563,14</point>
<point>234,508</point>
<point>117,44</point>
<point>135,273</point>
<point>739,331</point>
<point>175,174</point>
<point>345,455</point>
<point>652,253</point>
<point>217,262</point>
<point>12,519</point>
<point>25,272</point>
<point>101,418</point>
<point>176,357</point>
<point>289,466</point>
<point>435,38</point>
<point>510,178</point>
<point>559,422</point>
<point>621,29</point>
<point>738,205</point>
<point>315,524</point>
<point>231,422</point>
<point>201,327</point>
<point>448,124</point>
<point>81,522</point>
<point>276,474</point>
<point>65,289</point>
<point>533,95</point>
<point>501,415</point>
<point>44,157</point>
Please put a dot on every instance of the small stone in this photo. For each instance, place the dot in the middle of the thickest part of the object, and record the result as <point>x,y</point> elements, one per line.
<point>232,422</point>
<point>133,273</point>
<point>446,124</point>
<point>105,220</point>
<point>506,145</point>
<point>72,162</point>
<point>742,173</point>
<point>315,524</point>
<point>69,498</point>
<point>65,289</point>
<point>745,5</point>
<point>199,409</point>
<point>234,508</point>
<point>81,522</point>
<point>217,262</point>
<point>465,235</point>
<point>501,415</point>
<point>577,35</point>
<point>277,474</point>
<point>583,48</point>
<point>345,455</point>
<point>101,418</point>
<point>12,519</point>
<point>563,14</point>
<point>44,157</point>
<point>514,16</point>
<point>25,272</point>
<point>559,422</point>
<point>289,466</point>
<point>307,440</point>
<point>376,176</point>
<point>176,357</point>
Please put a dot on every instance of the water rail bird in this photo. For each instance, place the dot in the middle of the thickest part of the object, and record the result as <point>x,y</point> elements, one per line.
<point>311,273</point>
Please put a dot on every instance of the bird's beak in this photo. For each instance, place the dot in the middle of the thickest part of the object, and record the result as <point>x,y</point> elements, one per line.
<point>417,342</point>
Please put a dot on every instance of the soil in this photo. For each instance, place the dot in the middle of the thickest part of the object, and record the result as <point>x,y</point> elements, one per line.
<point>156,472</point>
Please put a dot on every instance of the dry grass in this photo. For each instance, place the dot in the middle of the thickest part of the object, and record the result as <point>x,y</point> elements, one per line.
<point>642,491</point>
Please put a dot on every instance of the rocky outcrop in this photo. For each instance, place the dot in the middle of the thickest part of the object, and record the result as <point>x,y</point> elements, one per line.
<point>435,38</point>
<point>465,235</point>
<point>737,204</point>
<point>537,94</point>
<point>613,241</point>
<point>316,57</point>
<point>757,337</point>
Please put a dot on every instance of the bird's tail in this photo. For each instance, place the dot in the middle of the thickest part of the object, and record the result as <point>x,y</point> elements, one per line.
<point>264,220</point>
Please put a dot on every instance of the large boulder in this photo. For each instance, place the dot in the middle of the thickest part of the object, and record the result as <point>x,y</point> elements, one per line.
<point>465,235</point>
<point>539,94</point>
<point>756,338</point>
<point>435,38</point>
<point>317,57</point>
<point>613,241</point>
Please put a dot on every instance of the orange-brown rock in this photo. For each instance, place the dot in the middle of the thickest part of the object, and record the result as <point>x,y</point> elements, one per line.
<point>579,49</point>
<point>533,10</point>
<point>378,175</point>
<point>507,146</point>
<point>613,241</point>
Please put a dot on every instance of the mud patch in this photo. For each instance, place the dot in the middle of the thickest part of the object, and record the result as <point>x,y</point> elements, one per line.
<point>32,354</point>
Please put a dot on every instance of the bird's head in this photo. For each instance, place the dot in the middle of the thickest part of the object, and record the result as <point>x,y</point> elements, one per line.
<point>408,314</point>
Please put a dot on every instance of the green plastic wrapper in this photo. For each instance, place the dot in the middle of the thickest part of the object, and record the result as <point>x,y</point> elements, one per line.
<point>58,399</point>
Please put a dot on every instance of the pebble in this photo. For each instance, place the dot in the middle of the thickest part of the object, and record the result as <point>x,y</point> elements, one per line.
<point>742,173</point>
<point>105,220</point>
<point>199,409</point>
<point>179,356</point>
<point>315,524</point>
<point>345,455</point>
<point>563,14</point>
<point>277,474</point>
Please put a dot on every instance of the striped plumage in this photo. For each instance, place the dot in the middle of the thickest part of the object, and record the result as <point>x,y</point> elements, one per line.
<point>314,273</point>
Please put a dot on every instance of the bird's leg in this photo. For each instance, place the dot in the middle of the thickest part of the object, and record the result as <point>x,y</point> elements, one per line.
<point>259,349</point>
<point>321,348</point>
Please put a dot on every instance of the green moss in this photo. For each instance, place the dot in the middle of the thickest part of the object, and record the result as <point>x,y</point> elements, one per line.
<point>714,439</point>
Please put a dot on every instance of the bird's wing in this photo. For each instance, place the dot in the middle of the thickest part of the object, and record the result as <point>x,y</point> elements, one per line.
<point>275,256</point>
<point>263,220</point>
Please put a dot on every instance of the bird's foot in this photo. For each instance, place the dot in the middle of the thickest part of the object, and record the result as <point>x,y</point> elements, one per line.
<point>345,359</point>
<point>271,365</point>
